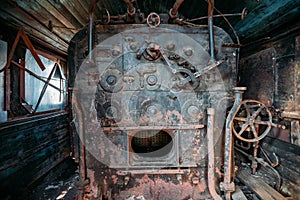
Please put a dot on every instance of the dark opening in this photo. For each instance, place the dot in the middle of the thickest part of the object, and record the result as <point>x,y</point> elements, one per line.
<point>152,143</point>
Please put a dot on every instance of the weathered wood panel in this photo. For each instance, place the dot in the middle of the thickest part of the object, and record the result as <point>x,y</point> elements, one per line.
<point>289,159</point>
<point>259,187</point>
<point>29,148</point>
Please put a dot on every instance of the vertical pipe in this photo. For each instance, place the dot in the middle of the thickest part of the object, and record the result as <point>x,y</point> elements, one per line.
<point>211,29</point>
<point>81,133</point>
<point>227,184</point>
<point>91,16</point>
<point>211,154</point>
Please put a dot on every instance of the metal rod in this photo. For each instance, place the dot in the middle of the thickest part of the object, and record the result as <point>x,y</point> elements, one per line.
<point>91,17</point>
<point>174,10</point>
<point>44,88</point>
<point>223,15</point>
<point>211,154</point>
<point>12,51</point>
<point>157,171</point>
<point>81,133</point>
<point>211,29</point>
<point>35,75</point>
<point>229,141</point>
<point>131,128</point>
<point>32,50</point>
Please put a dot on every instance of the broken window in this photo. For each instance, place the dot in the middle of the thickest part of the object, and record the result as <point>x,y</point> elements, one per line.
<point>46,92</point>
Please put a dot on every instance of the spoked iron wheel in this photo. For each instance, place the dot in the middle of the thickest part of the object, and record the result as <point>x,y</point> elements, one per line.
<point>252,122</point>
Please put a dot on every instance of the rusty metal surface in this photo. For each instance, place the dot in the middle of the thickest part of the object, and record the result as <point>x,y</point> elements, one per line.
<point>145,87</point>
<point>259,66</point>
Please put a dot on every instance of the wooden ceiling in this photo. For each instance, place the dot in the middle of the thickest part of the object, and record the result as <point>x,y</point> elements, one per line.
<point>265,18</point>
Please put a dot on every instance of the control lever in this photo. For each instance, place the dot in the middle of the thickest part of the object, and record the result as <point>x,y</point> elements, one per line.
<point>200,73</point>
<point>172,66</point>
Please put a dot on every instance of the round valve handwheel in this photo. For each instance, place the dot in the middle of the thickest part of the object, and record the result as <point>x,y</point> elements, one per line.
<point>153,20</point>
<point>252,121</point>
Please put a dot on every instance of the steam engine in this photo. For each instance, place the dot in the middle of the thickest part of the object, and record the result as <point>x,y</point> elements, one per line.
<point>145,101</point>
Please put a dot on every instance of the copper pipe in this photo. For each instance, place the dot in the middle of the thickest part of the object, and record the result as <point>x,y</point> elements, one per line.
<point>227,185</point>
<point>130,9</point>
<point>211,154</point>
<point>174,10</point>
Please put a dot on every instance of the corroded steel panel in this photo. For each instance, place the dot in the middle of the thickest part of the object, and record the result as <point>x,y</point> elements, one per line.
<point>142,100</point>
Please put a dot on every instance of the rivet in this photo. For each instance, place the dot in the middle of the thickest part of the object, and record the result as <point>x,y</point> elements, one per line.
<point>188,51</point>
<point>171,46</point>
<point>116,51</point>
<point>133,46</point>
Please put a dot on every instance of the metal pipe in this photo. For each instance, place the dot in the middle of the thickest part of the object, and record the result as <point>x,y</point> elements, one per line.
<point>91,17</point>
<point>227,185</point>
<point>35,75</point>
<point>130,8</point>
<point>211,4</point>
<point>80,130</point>
<point>174,10</point>
<point>211,154</point>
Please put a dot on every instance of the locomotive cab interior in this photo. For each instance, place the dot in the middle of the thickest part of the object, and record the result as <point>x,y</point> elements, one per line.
<point>141,99</point>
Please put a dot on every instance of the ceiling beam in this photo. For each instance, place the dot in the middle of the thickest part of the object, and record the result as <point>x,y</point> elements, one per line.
<point>42,16</point>
<point>267,17</point>
<point>61,15</point>
<point>71,7</point>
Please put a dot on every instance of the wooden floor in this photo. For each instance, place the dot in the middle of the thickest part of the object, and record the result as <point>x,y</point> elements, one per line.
<point>258,186</point>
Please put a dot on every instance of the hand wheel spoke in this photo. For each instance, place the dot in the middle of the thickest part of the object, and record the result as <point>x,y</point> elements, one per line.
<point>241,119</point>
<point>253,130</point>
<point>255,114</point>
<point>262,122</point>
<point>247,109</point>
<point>244,127</point>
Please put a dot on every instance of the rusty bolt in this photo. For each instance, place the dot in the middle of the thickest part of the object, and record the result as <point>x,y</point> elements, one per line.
<point>152,80</point>
<point>195,180</point>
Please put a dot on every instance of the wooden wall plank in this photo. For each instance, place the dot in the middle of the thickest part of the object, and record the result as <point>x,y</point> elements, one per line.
<point>30,148</point>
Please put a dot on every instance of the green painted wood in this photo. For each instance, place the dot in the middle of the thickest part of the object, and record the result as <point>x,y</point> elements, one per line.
<point>30,148</point>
